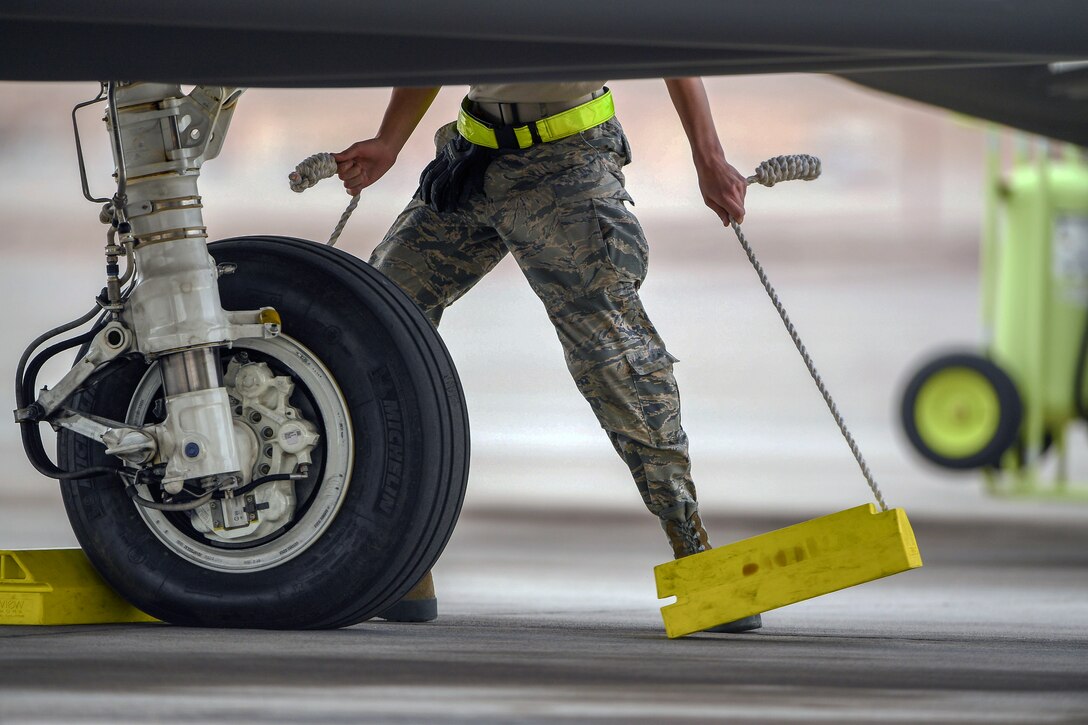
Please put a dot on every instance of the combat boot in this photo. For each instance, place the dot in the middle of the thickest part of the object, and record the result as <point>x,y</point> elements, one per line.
<point>686,537</point>
<point>419,605</point>
<point>689,537</point>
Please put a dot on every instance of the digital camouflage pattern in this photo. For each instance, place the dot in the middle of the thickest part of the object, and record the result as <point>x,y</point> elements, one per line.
<point>559,208</point>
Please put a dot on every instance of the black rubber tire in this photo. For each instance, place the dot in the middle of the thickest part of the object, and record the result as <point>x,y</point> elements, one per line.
<point>1009,419</point>
<point>406,489</point>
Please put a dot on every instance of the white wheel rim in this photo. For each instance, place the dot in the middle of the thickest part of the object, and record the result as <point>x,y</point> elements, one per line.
<point>337,439</point>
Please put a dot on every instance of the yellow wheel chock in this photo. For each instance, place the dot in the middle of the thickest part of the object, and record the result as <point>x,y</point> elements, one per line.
<point>798,562</point>
<point>58,586</point>
<point>783,567</point>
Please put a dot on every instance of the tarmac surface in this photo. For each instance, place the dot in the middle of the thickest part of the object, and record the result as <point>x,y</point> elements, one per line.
<point>549,616</point>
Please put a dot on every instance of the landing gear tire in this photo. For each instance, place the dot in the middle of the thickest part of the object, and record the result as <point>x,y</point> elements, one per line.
<point>388,472</point>
<point>962,411</point>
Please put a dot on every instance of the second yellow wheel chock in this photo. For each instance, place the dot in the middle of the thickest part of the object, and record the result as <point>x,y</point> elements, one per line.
<point>798,562</point>
<point>785,567</point>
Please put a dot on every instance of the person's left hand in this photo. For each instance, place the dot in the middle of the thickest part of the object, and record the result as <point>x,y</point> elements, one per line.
<point>723,188</point>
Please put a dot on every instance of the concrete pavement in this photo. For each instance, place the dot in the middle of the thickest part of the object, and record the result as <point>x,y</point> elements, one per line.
<point>549,616</point>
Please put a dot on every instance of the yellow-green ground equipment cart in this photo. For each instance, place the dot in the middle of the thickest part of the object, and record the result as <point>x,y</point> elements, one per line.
<point>1009,407</point>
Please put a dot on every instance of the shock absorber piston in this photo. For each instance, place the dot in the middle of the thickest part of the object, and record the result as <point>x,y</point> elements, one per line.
<point>199,426</point>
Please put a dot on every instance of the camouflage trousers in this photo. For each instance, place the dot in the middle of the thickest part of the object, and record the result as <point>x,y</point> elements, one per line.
<point>559,209</point>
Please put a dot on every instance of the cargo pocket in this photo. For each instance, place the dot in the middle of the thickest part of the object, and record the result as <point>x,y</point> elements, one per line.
<point>655,388</point>
<point>624,242</point>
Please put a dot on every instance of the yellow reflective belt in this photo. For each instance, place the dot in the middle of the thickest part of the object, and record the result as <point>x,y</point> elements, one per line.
<point>569,122</point>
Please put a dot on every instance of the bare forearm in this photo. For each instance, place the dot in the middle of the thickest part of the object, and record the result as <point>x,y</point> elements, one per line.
<point>364,162</point>
<point>692,106</point>
<point>722,186</point>
<point>406,109</point>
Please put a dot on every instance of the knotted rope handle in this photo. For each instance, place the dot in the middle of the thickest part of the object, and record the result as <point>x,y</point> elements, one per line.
<point>312,170</point>
<point>795,167</point>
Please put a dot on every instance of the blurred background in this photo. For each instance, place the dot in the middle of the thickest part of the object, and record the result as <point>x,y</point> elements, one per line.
<point>877,263</point>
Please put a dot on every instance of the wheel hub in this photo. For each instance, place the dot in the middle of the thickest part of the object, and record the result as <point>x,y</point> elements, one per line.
<point>279,439</point>
<point>255,527</point>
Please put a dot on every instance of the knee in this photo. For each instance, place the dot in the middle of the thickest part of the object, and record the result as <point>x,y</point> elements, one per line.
<point>409,276</point>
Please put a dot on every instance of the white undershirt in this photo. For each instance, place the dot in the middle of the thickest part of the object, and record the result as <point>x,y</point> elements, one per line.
<point>532,92</point>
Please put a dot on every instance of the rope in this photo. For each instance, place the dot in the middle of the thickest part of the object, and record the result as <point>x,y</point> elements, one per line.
<point>770,172</point>
<point>312,170</point>
<point>796,167</point>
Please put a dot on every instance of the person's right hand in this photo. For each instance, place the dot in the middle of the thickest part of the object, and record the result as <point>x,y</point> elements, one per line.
<point>363,163</point>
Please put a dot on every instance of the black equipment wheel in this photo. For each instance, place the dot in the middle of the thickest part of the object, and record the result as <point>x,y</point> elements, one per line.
<point>962,411</point>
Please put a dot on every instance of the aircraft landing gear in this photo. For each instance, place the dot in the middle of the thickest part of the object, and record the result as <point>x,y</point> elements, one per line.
<point>358,392</point>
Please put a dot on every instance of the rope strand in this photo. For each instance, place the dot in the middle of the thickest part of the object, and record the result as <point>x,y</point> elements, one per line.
<point>804,168</point>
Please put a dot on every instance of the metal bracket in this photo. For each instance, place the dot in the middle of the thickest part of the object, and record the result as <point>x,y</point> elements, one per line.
<point>79,146</point>
<point>124,441</point>
<point>29,413</point>
<point>110,343</point>
<point>262,323</point>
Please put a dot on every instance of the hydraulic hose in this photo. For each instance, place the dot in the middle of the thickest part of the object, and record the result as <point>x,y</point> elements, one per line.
<point>158,506</point>
<point>204,498</point>
<point>241,490</point>
<point>25,382</point>
<point>30,376</point>
<point>35,452</point>
<point>49,335</point>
